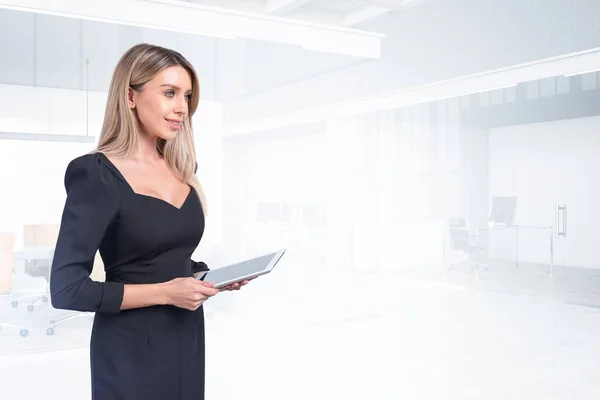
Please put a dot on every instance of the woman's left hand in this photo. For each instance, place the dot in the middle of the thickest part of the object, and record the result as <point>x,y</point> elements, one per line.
<point>235,286</point>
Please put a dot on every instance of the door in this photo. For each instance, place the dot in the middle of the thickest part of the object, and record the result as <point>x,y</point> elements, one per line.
<point>556,173</point>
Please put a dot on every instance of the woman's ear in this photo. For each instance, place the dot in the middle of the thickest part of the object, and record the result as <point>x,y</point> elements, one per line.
<point>131,98</point>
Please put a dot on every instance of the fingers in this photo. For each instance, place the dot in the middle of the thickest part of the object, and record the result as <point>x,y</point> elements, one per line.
<point>206,284</point>
<point>233,286</point>
<point>197,300</point>
<point>236,286</point>
<point>208,290</point>
<point>190,293</point>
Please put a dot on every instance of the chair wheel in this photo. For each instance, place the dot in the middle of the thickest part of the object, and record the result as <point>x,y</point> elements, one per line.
<point>30,307</point>
<point>14,304</point>
<point>24,332</point>
<point>50,331</point>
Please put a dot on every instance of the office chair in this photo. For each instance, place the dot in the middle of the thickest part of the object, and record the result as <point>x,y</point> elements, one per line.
<point>39,236</point>
<point>97,275</point>
<point>7,242</point>
<point>468,241</point>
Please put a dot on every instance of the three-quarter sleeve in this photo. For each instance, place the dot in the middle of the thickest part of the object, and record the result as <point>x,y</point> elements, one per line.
<point>93,202</point>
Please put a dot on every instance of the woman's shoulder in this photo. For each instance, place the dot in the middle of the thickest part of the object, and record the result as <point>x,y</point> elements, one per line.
<point>91,170</point>
<point>85,161</point>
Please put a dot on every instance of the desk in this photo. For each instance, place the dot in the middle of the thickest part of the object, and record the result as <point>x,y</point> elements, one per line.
<point>516,228</point>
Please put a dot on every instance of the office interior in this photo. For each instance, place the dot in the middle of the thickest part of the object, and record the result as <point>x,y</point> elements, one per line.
<point>429,166</point>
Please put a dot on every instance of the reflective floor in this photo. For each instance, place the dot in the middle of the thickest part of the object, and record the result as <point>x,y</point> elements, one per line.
<point>352,335</point>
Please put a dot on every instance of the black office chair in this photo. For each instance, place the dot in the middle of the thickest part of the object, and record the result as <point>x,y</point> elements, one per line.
<point>468,241</point>
<point>36,269</point>
<point>36,236</point>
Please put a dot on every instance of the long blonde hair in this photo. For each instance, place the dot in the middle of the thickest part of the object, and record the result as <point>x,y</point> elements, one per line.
<point>120,131</point>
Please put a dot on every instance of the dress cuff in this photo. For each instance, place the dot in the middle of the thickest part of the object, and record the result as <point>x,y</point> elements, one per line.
<point>112,297</point>
<point>199,266</point>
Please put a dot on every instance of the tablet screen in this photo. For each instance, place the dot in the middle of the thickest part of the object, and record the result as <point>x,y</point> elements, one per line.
<point>244,268</point>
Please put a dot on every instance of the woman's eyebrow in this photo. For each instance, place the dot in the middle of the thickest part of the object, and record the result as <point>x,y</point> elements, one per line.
<point>173,86</point>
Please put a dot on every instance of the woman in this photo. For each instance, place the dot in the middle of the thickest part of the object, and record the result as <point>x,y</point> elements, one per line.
<point>137,201</point>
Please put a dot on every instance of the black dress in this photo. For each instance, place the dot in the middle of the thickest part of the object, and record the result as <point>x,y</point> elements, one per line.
<point>152,353</point>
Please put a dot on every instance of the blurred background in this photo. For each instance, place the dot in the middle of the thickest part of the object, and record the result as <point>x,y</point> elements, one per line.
<point>430,166</point>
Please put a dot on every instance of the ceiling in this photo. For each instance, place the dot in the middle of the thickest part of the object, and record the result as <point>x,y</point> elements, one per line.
<point>330,28</point>
<point>343,13</point>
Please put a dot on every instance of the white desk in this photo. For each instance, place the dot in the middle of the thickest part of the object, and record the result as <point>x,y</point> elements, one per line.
<point>516,228</point>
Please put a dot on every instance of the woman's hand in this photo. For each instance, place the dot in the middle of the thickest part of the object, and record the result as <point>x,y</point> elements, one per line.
<point>188,293</point>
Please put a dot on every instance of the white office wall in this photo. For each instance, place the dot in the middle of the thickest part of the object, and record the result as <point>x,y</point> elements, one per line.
<point>19,67</point>
<point>28,109</point>
<point>474,172</point>
<point>545,164</point>
<point>288,170</point>
<point>208,125</point>
<point>348,82</point>
<point>32,176</point>
<point>32,172</point>
<point>290,64</point>
<point>57,52</point>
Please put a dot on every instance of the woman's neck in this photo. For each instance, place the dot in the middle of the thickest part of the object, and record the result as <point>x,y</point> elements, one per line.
<point>147,151</point>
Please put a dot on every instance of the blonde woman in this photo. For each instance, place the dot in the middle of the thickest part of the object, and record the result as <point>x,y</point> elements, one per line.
<point>137,200</point>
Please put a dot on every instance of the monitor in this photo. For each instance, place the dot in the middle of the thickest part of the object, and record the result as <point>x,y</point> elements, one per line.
<point>503,210</point>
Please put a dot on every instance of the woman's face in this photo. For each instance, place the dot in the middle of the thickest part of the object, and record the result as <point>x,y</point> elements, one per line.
<point>163,103</point>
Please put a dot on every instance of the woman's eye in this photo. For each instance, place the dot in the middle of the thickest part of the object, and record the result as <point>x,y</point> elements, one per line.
<point>169,93</point>
<point>188,97</point>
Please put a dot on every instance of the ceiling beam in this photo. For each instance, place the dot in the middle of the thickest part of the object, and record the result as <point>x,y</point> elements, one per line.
<point>568,64</point>
<point>282,7</point>
<point>46,137</point>
<point>185,17</point>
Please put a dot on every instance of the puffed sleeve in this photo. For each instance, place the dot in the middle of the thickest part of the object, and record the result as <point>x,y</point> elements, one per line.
<point>93,201</point>
<point>198,266</point>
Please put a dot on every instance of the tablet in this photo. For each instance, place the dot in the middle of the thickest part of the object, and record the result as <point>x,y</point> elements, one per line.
<point>240,271</point>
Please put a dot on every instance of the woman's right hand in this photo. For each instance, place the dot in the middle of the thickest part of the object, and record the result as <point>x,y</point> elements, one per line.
<point>188,293</point>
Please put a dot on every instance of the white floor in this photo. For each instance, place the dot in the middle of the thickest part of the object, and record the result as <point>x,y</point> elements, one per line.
<point>378,340</point>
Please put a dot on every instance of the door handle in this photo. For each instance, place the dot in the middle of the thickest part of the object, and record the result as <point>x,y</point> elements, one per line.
<point>561,220</point>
